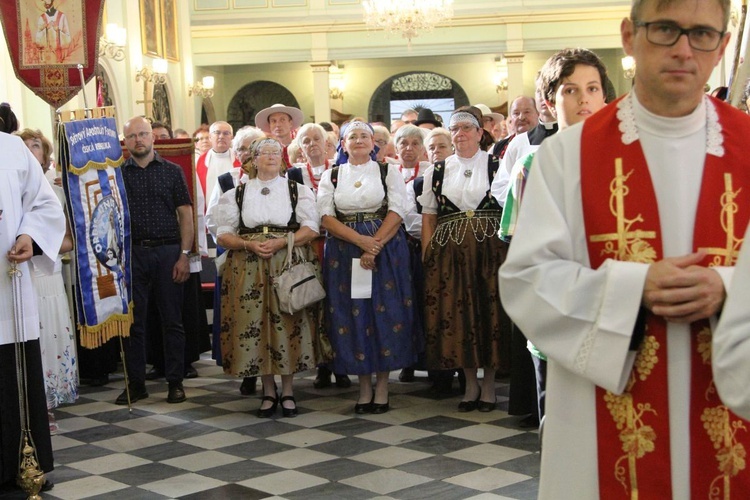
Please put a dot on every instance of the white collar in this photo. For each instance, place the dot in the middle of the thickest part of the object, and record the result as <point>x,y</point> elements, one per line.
<point>634,117</point>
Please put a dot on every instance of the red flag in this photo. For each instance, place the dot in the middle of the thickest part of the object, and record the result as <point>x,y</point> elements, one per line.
<point>46,46</point>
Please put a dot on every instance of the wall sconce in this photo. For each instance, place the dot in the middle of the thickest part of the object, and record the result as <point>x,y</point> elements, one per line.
<point>156,76</point>
<point>628,67</point>
<point>112,43</point>
<point>500,77</point>
<point>203,88</point>
<point>336,82</point>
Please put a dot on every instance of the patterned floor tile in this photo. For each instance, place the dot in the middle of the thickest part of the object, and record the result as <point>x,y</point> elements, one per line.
<point>385,481</point>
<point>213,446</point>
<point>487,479</point>
<point>182,485</point>
<point>203,460</point>
<point>283,482</point>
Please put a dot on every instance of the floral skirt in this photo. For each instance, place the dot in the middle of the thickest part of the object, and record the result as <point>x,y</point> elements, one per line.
<point>375,334</point>
<point>256,337</point>
<point>57,340</point>
<point>465,326</point>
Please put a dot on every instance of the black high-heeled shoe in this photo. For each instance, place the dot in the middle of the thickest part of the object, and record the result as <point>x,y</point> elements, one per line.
<point>268,412</point>
<point>288,412</point>
<point>363,408</point>
<point>380,408</point>
<point>467,406</point>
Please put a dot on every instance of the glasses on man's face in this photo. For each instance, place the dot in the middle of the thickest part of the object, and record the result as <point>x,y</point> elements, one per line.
<point>667,34</point>
<point>222,133</point>
<point>462,128</point>
<point>140,135</point>
<point>269,153</point>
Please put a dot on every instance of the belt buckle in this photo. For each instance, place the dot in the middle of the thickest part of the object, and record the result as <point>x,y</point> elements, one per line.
<point>469,214</point>
<point>265,229</point>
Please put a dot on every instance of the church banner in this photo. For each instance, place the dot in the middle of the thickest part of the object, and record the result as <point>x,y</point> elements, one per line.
<point>90,157</point>
<point>48,40</point>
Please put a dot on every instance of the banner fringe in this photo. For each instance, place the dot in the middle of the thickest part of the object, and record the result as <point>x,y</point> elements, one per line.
<point>116,325</point>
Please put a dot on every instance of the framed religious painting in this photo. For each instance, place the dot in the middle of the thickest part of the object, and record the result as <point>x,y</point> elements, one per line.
<point>151,37</point>
<point>169,30</point>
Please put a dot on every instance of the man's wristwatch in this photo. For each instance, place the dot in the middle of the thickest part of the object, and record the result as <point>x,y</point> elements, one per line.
<point>186,252</point>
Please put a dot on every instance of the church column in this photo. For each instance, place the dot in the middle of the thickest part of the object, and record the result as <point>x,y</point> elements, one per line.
<point>515,76</point>
<point>322,108</point>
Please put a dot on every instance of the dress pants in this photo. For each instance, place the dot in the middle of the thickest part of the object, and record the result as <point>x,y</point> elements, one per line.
<point>152,280</point>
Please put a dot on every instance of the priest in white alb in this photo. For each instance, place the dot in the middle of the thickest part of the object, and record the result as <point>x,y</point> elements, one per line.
<point>31,224</point>
<point>620,263</point>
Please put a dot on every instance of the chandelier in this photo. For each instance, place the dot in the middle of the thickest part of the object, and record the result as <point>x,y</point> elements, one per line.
<point>407,17</point>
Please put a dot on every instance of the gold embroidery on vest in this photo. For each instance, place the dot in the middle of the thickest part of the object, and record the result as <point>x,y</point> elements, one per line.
<point>721,429</point>
<point>636,436</point>
<point>727,256</point>
<point>631,244</point>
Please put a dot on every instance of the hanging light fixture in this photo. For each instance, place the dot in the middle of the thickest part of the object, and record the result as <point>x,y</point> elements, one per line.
<point>410,18</point>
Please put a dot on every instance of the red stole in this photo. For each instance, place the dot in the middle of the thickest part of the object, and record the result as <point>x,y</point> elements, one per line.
<point>622,223</point>
<point>201,170</point>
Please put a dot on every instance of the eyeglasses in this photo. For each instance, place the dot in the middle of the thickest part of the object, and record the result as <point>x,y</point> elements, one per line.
<point>139,135</point>
<point>381,142</point>
<point>242,150</point>
<point>223,133</point>
<point>667,34</point>
<point>269,153</point>
<point>462,128</point>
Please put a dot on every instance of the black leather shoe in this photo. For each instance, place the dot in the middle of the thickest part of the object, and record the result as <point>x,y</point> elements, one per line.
<point>380,408</point>
<point>486,406</point>
<point>154,373</point>
<point>467,406</point>
<point>48,485</point>
<point>190,372</point>
<point>268,412</point>
<point>137,392</point>
<point>288,412</point>
<point>343,381</point>
<point>248,386</point>
<point>323,379</point>
<point>176,393</point>
<point>362,408</point>
<point>406,375</point>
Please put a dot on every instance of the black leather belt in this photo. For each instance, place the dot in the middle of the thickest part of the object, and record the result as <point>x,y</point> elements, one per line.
<point>157,243</point>
<point>268,229</point>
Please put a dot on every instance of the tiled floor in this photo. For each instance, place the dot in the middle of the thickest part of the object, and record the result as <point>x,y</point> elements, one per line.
<point>213,446</point>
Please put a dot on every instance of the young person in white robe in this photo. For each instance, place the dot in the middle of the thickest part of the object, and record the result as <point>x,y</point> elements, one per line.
<point>31,223</point>
<point>572,84</point>
<point>609,274</point>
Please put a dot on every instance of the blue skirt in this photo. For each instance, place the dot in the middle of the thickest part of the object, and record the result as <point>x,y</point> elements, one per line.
<point>375,334</point>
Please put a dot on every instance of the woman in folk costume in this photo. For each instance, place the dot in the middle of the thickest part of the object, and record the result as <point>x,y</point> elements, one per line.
<point>362,205</point>
<point>460,219</point>
<point>312,140</point>
<point>252,224</point>
<point>31,221</point>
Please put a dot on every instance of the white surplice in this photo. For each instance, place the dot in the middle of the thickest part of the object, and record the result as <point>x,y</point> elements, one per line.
<point>28,205</point>
<point>583,319</point>
<point>731,340</point>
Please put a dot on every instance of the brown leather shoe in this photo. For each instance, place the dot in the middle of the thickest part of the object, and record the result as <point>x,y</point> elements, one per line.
<point>176,393</point>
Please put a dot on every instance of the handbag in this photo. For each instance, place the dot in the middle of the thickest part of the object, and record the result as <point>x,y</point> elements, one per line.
<point>298,286</point>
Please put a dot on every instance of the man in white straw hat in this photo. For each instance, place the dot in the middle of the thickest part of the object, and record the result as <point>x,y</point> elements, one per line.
<point>489,117</point>
<point>280,122</point>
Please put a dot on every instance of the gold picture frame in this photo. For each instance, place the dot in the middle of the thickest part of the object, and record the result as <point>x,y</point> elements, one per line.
<point>151,28</point>
<point>170,37</point>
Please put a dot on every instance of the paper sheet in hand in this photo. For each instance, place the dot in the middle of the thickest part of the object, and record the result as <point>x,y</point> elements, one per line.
<point>361,281</point>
